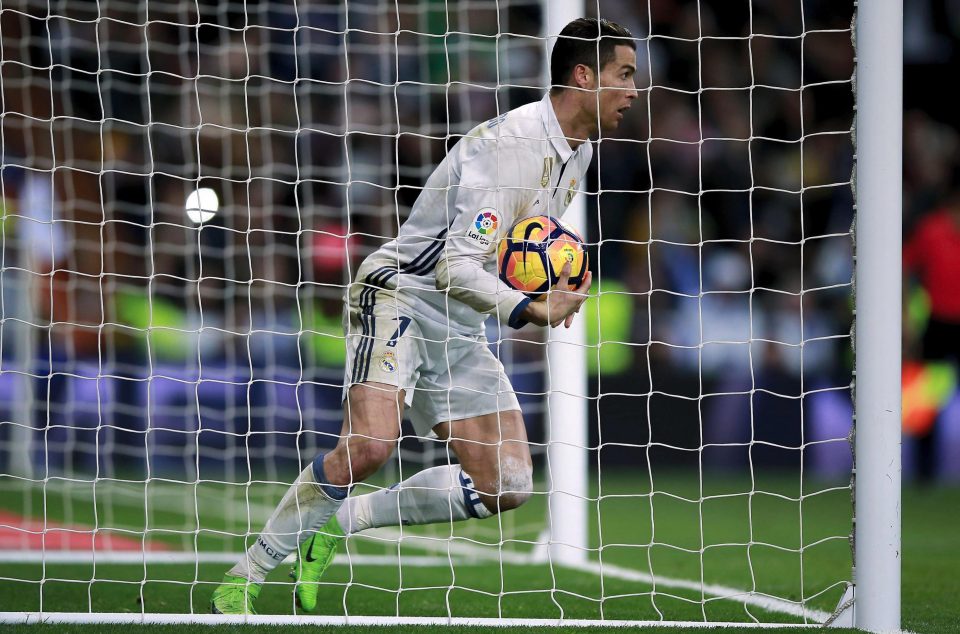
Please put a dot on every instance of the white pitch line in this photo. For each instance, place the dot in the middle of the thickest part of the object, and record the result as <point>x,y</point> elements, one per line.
<point>180,557</point>
<point>28,618</point>
<point>766,602</point>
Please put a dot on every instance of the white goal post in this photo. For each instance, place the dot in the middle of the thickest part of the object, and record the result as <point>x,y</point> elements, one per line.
<point>136,405</point>
<point>879,87</point>
<point>567,458</point>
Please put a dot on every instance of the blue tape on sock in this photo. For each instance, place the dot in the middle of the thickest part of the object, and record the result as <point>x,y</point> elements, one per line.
<point>333,492</point>
<point>470,497</point>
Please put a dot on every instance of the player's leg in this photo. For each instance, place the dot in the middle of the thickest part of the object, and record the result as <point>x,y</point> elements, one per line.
<point>494,474</point>
<point>385,365</point>
<point>493,446</point>
<point>485,431</point>
<point>371,427</point>
<point>370,430</point>
<point>460,380</point>
<point>494,450</point>
<point>379,367</point>
<point>374,414</point>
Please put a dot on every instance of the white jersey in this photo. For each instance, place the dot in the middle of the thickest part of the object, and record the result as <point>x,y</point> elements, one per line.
<point>443,261</point>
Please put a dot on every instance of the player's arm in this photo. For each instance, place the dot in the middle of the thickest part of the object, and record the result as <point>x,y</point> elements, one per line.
<point>497,184</point>
<point>494,185</point>
<point>461,273</point>
<point>468,282</point>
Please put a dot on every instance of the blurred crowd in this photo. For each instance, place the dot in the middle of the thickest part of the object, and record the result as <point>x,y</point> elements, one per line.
<point>719,214</point>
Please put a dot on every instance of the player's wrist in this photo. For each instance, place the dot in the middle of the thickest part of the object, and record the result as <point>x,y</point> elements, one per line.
<point>544,314</point>
<point>535,313</point>
<point>517,317</point>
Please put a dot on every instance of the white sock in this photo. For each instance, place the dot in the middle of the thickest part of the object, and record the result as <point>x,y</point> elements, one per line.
<point>306,506</point>
<point>438,494</point>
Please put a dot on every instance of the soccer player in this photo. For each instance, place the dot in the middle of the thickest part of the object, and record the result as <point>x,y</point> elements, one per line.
<point>416,340</point>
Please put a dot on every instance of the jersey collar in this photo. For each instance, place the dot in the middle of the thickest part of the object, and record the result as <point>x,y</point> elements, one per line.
<point>552,127</point>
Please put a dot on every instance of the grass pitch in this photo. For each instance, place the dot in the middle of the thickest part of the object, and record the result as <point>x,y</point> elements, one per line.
<point>700,543</point>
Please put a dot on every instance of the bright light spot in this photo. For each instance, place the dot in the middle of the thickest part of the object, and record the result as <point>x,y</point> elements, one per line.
<point>202,205</point>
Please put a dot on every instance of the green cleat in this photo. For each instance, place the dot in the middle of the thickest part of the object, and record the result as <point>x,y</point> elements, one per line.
<point>234,595</point>
<point>313,558</point>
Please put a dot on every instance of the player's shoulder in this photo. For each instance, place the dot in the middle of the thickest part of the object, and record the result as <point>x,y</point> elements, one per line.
<point>516,129</point>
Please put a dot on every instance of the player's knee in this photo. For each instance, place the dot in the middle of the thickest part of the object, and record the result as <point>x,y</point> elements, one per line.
<point>509,500</point>
<point>514,487</point>
<point>356,459</point>
<point>367,456</point>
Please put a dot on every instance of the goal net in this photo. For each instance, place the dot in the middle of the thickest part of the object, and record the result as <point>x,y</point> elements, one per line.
<point>167,367</point>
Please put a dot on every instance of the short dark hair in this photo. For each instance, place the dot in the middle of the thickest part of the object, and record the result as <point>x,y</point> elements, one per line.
<point>586,41</point>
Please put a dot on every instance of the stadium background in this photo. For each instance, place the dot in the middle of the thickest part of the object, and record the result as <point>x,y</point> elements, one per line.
<point>119,255</point>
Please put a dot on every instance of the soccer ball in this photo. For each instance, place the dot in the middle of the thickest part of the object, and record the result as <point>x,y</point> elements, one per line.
<point>532,254</point>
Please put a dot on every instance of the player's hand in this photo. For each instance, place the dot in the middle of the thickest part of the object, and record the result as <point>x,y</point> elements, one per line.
<point>560,305</point>
<point>580,293</point>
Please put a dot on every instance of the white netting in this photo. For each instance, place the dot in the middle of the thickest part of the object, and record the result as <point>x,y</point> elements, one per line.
<point>162,381</point>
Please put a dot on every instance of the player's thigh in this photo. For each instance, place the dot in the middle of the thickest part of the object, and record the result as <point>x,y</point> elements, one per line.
<point>385,343</point>
<point>372,411</point>
<point>462,379</point>
<point>493,448</point>
<point>385,352</point>
<point>384,355</point>
<point>371,426</point>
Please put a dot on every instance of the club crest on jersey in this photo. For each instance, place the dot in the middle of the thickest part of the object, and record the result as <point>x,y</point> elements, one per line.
<point>388,362</point>
<point>547,168</point>
<point>484,227</point>
<point>570,192</point>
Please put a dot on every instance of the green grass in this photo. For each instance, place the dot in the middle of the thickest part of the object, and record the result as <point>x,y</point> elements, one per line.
<point>769,537</point>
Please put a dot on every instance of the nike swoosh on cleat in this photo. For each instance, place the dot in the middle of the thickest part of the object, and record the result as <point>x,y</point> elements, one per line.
<point>310,558</point>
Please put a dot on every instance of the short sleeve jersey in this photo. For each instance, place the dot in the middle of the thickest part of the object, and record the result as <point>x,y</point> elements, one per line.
<point>514,166</point>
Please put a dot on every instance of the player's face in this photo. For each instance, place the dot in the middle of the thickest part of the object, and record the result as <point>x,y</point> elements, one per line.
<point>617,88</point>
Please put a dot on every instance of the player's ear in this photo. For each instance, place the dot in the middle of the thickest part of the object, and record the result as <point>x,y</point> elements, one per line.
<point>583,76</point>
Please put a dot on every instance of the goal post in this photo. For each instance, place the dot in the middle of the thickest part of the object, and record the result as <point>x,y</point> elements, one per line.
<point>568,437</point>
<point>879,88</point>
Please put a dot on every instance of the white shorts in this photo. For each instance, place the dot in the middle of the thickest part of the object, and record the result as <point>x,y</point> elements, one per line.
<point>445,376</point>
